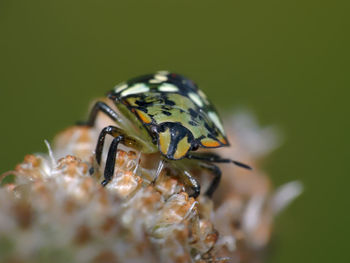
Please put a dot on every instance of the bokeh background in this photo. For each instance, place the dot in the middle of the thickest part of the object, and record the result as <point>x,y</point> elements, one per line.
<point>287,61</point>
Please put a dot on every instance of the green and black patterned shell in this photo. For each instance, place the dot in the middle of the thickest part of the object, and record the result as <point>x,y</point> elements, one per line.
<point>174,111</point>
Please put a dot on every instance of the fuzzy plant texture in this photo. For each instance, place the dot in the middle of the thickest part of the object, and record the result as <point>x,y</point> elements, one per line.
<point>54,210</point>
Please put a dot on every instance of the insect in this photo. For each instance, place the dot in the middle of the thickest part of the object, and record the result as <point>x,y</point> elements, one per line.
<point>167,113</point>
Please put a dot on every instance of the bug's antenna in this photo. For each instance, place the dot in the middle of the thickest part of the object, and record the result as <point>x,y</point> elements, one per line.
<point>239,164</point>
<point>212,157</point>
<point>243,165</point>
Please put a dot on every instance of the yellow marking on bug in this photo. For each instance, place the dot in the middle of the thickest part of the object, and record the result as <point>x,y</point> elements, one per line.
<point>196,99</point>
<point>159,77</point>
<point>168,87</point>
<point>182,148</point>
<point>144,116</point>
<point>207,142</point>
<point>222,140</point>
<point>131,101</point>
<point>164,141</point>
<point>215,118</point>
<point>135,89</point>
<point>120,87</point>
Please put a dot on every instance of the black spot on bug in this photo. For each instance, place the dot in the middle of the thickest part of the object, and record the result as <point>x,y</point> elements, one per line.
<point>193,113</point>
<point>145,110</point>
<point>212,137</point>
<point>212,131</point>
<point>143,103</point>
<point>167,101</point>
<point>193,123</point>
<point>167,113</point>
<point>208,127</point>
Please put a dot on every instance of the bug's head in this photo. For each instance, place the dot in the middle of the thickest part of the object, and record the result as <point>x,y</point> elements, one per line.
<point>174,140</point>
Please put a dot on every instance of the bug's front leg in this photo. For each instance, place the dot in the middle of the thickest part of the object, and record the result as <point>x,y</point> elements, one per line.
<point>119,136</point>
<point>110,163</point>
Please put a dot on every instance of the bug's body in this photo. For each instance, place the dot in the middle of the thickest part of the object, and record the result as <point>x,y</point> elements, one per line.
<point>171,115</point>
<point>175,113</point>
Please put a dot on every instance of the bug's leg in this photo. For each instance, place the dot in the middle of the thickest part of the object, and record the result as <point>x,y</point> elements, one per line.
<point>119,136</point>
<point>214,158</point>
<point>100,143</point>
<point>100,106</point>
<point>159,170</point>
<point>110,163</point>
<point>217,177</point>
<point>115,132</point>
<point>195,186</point>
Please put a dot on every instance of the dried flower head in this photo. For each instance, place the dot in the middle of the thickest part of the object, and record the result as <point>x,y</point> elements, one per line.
<point>56,211</point>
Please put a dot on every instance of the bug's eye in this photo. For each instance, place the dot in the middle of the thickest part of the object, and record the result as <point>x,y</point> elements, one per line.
<point>195,147</point>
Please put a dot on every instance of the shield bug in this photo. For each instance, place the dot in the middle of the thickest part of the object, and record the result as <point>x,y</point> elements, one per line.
<point>167,113</point>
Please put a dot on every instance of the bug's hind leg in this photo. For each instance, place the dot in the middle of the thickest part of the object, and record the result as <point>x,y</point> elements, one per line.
<point>103,107</point>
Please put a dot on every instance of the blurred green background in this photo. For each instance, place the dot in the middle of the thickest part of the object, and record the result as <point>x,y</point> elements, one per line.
<point>287,61</point>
